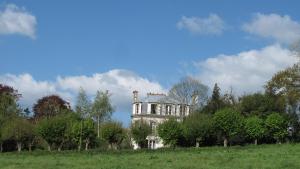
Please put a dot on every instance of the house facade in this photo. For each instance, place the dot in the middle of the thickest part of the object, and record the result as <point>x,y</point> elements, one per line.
<point>155,109</point>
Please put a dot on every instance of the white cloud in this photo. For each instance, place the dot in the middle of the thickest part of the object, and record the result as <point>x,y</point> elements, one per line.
<point>280,28</point>
<point>15,20</point>
<point>213,24</point>
<point>120,83</point>
<point>246,71</point>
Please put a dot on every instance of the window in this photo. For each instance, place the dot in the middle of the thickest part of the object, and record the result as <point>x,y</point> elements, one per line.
<point>182,110</point>
<point>136,108</point>
<point>153,108</point>
<point>168,109</point>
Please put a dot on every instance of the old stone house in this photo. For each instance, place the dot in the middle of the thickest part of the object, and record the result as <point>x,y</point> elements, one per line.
<point>155,109</point>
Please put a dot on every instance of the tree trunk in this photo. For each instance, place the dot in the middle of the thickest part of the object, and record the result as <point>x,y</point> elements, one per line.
<point>98,126</point>
<point>80,139</point>
<point>1,147</point>
<point>29,147</point>
<point>49,148</point>
<point>225,142</point>
<point>79,147</point>
<point>19,146</point>
<point>61,145</point>
<point>197,143</point>
<point>87,142</point>
<point>255,141</point>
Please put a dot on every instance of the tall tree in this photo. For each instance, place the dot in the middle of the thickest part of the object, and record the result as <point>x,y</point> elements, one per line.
<point>215,102</point>
<point>189,91</point>
<point>102,108</point>
<point>83,104</point>
<point>50,106</point>
<point>8,102</point>
<point>8,107</point>
<point>285,87</point>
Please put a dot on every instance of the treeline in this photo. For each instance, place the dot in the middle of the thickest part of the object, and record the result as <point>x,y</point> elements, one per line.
<point>221,119</point>
<point>53,125</point>
<point>259,118</point>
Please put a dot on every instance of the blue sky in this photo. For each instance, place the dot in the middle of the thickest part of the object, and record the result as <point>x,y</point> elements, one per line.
<point>66,44</point>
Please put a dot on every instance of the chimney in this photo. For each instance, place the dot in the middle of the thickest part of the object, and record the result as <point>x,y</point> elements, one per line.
<point>135,96</point>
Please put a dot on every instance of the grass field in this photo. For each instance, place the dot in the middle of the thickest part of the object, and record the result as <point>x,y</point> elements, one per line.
<point>263,156</point>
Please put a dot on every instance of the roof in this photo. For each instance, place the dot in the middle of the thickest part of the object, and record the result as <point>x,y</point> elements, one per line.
<point>159,98</point>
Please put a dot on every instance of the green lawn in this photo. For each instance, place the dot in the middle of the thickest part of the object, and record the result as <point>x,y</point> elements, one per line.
<point>263,156</point>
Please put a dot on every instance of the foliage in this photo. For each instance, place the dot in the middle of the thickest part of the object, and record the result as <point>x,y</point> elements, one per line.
<point>8,102</point>
<point>254,128</point>
<point>17,129</point>
<point>171,132</point>
<point>49,106</point>
<point>228,122</point>
<point>276,126</point>
<point>83,104</point>
<point>259,104</point>
<point>139,131</point>
<point>55,130</point>
<point>102,108</point>
<point>113,133</point>
<point>284,86</point>
<point>189,91</point>
<point>83,131</point>
<point>215,102</point>
<point>197,128</point>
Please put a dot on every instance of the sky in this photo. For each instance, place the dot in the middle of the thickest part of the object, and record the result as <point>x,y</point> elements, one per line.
<point>56,47</point>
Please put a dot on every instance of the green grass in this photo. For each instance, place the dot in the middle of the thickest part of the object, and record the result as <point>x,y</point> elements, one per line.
<point>263,156</point>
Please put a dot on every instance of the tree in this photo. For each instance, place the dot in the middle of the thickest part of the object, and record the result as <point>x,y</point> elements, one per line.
<point>171,132</point>
<point>215,103</point>
<point>83,104</point>
<point>102,108</point>
<point>50,106</point>
<point>189,91</point>
<point>113,133</point>
<point>55,130</point>
<point>276,126</point>
<point>197,127</point>
<point>259,104</point>
<point>285,86</point>
<point>17,129</point>
<point>254,128</point>
<point>228,122</point>
<point>8,102</point>
<point>139,131</point>
<point>8,107</point>
<point>83,130</point>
